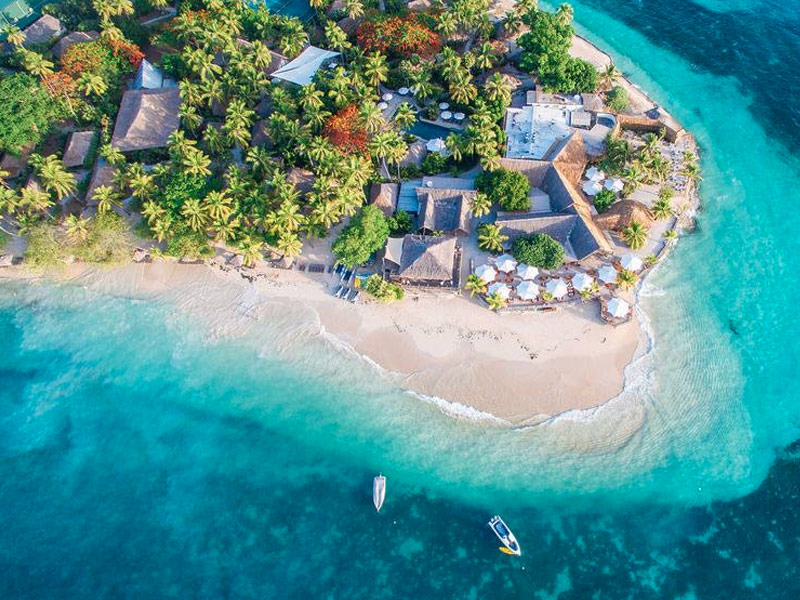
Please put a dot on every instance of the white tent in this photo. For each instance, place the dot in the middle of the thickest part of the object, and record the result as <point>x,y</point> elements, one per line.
<point>607,274</point>
<point>446,115</point>
<point>592,188</point>
<point>615,185</point>
<point>436,145</point>
<point>595,174</point>
<point>582,281</point>
<point>459,116</point>
<point>394,250</point>
<point>486,272</point>
<point>557,288</point>
<point>505,263</point>
<point>527,290</point>
<point>526,271</point>
<point>383,105</point>
<point>501,289</point>
<point>387,96</point>
<point>631,262</point>
<point>443,106</point>
<point>618,308</point>
<point>302,69</point>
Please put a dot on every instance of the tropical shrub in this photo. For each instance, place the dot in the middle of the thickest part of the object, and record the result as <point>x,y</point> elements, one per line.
<point>366,233</point>
<point>26,112</point>
<point>398,37</point>
<point>434,163</point>
<point>108,240</point>
<point>490,238</point>
<point>400,223</point>
<point>539,250</point>
<point>509,189</point>
<point>346,131</point>
<point>617,99</point>
<point>382,290</point>
<point>44,247</point>
<point>604,200</point>
<point>189,244</point>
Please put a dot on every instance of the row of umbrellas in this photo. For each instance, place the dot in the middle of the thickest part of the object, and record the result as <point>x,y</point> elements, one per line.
<point>595,183</point>
<point>581,281</point>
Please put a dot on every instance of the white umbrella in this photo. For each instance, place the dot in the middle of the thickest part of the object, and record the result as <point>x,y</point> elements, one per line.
<point>526,271</point>
<point>592,188</point>
<point>459,116</point>
<point>618,308</point>
<point>383,105</point>
<point>501,289</point>
<point>615,185</point>
<point>631,262</point>
<point>527,290</point>
<point>403,91</point>
<point>486,272</point>
<point>557,288</point>
<point>582,281</point>
<point>595,174</point>
<point>607,274</point>
<point>446,115</point>
<point>387,96</point>
<point>436,145</point>
<point>505,263</point>
<point>443,106</point>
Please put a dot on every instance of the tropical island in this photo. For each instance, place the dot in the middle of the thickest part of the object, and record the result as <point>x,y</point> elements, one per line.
<point>457,188</point>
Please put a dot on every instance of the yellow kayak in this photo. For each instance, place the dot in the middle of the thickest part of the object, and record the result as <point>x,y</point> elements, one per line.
<point>507,551</point>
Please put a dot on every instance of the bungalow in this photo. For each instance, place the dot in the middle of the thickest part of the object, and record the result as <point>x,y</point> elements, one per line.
<point>623,213</point>
<point>42,30</point>
<point>146,119</point>
<point>76,37</point>
<point>384,196</point>
<point>78,147</point>
<point>102,175</point>
<point>424,261</point>
<point>302,179</point>
<point>150,77</point>
<point>446,210</point>
<point>569,230</point>
<point>302,69</point>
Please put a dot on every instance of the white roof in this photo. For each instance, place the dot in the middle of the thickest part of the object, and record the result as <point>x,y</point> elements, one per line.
<point>631,262</point>
<point>582,281</point>
<point>501,289</point>
<point>595,174</point>
<point>436,145</point>
<point>526,271</point>
<point>459,116</point>
<point>486,272</point>
<point>614,184</point>
<point>618,307</point>
<point>592,188</point>
<point>607,274</point>
<point>557,288</point>
<point>505,263</point>
<point>394,250</point>
<point>527,290</point>
<point>303,68</point>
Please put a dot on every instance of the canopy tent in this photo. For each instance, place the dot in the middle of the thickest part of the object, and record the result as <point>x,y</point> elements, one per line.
<point>557,288</point>
<point>302,69</point>
<point>486,272</point>
<point>527,290</point>
<point>443,106</point>
<point>595,174</point>
<point>501,289</point>
<point>527,271</point>
<point>615,185</point>
<point>631,262</point>
<point>436,145</point>
<point>592,188</point>
<point>387,96</point>
<point>582,281</point>
<point>505,263</point>
<point>607,274</point>
<point>459,116</point>
<point>394,250</point>
<point>403,91</point>
<point>618,308</point>
<point>446,115</point>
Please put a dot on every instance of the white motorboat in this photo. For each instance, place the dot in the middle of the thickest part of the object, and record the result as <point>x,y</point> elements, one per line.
<point>378,491</point>
<point>501,530</point>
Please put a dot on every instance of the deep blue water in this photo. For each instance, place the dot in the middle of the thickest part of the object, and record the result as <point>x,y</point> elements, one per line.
<point>429,131</point>
<point>142,455</point>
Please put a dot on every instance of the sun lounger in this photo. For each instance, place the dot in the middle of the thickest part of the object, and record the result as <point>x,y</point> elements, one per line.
<point>338,291</point>
<point>345,293</point>
<point>354,296</point>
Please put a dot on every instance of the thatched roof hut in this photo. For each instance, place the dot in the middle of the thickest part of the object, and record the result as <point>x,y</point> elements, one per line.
<point>42,30</point>
<point>78,146</point>
<point>623,213</point>
<point>569,230</point>
<point>302,179</point>
<point>76,37</point>
<point>384,196</point>
<point>103,175</point>
<point>416,153</point>
<point>442,209</point>
<point>428,261</point>
<point>14,164</point>
<point>146,119</point>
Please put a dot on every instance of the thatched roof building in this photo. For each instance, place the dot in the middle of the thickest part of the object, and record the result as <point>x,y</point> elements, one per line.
<point>259,133</point>
<point>146,119</point>
<point>384,196</point>
<point>415,154</point>
<point>76,37</point>
<point>102,175</point>
<point>14,164</point>
<point>623,213</point>
<point>429,262</point>
<point>42,30</point>
<point>78,146</point>
<point>442,209</point>
<point>302,179</point>
<point>569,230</point>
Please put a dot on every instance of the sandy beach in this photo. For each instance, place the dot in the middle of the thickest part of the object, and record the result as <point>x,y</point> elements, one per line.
<point>520,367</point>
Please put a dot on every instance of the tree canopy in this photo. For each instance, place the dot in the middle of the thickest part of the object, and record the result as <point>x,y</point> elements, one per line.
<point>507,188</point>
<point>366,233</point>
<point>539,250</point>
<point>26,112</point>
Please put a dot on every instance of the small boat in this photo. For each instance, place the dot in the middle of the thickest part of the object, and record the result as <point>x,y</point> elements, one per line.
<point>378,491</point>
<point>501,530</point>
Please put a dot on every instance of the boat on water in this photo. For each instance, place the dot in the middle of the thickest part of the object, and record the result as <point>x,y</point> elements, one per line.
<point>378,491</point>
<point>501,530</point>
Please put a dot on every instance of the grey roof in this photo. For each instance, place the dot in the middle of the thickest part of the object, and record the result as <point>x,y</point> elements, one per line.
<point>260,135</point>
<point>42,30</point>
<point>384,196</point>
<point>103,175</point>
<point>146,119</point>
<point>569,230</point>
<point>407,199</point>
<point>416,153</point>
<point>428,258</point>
<point>78,146</point>
<point>302,179</point>
<point>444,209</point>
<point>76,37</point>
<point>534,170</point>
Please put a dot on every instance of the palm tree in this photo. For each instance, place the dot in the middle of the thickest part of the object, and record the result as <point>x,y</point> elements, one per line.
<point>662,209</point>
<point>225,230</point>
<point>260,55</point>
<point>692,172</point>
<point>635,235</point>
<point>626,279</point>
<point>481,205</point>
<point>670,236</point>
<point>36,64</point>
<point>153,212</point>
<point>484,56</point>
<point>311,97</point>
<point>218,206</point>
<point>112,155</point>
<point>77,228</point>
<point>92,85</point>
<point>161,227</point>
<point>455,146</point>
<point>447,25</point>
<point>195,214</point>
<point>463,91</point>
<point>495,301</point>
<point>106,198</point>
<point>490,238</point>
<point>292,39</point>
<point>497,88</point>
<point>54,177</point>
<point>196,163</point>
<point>14,36</point>
<point>608,76</point>
<point>337,38</point>
<point>354,8</point>
<point>372,117</point>
<point>251,250</point>
<point>376,69</point>
<point>405,116</point>
<point>289,245</point>
<point>475,285</point>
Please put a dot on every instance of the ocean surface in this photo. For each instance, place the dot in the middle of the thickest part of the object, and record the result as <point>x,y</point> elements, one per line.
<point>150,450</point>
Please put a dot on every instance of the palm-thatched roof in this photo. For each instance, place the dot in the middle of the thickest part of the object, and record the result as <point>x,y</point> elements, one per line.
<point>569,155</point>
<point>76,37</point>
<point>569,230</point>
<point>146,119</point>
<point>384,196</point>
<point>42,30</point>
<point>442,209</point>
<point>428,259</point>
<point>78,146</point>
<point>415,155</point>
<point>302,179</point>
<point>103,175</point>
<point>623,213</point>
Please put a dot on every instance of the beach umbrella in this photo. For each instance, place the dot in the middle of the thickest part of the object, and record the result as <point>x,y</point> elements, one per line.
<point>383,105</point>
<point>501,289</point>
<point>526,271</point>
<point>615,185</point>
<point>505,263</point>
<point>459,116</point>
<point>592,188</point>
<point>607,274</point>
<point>618,308</point>
<point>387,96</point>
<point>582,281</point>
<point>527,290</point>
<point>557,288</point>
<point>446,115</point>
<point>486,272</point>
<point>631,262</point>
<point>443,106</point>
<point>595,174</point>
<point>436,145</point>
<point>403,91</point>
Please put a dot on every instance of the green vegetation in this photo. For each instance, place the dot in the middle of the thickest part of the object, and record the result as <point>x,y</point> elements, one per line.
<point>604,200</point>
<point>490,239</point>
<point>26,112</point>
<point>475,285</point>
<point>365,234</point>
<point>626,279</point>
<point>495,301</point>
<point>507,188</point>
<point>434,163</point>
<point>383,290</point>
<point>400,223</point>
<point>617,99</point>
<point>635,235</point>
<point>539,250</point>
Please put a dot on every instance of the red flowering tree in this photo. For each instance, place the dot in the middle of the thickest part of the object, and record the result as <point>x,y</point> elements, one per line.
<point>346,131</point>
<point>398,37</point>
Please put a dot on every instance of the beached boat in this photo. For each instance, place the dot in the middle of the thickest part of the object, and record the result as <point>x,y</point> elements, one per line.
<point>378,491</point>
<point>501,530</point>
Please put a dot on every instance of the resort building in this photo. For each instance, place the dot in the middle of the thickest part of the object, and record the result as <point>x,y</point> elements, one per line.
<point>444,210</point>
<point>102,175</point>
<point>302,69</point>
<point>150,77</point>
<point>423,261</point>
<point>146,119</point>
<point>76,37</point>
<point>384,197</point>
<point>42,30</point>
<point>78,147</point>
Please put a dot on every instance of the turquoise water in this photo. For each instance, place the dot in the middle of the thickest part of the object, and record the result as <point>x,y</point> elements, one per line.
<point>148,452</point>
